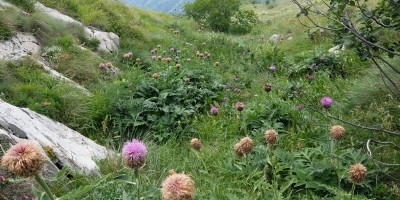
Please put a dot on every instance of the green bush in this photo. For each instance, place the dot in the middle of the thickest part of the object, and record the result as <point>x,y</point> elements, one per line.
<point>243,22</point>
<point>26,5</point>
<point>5,32</point>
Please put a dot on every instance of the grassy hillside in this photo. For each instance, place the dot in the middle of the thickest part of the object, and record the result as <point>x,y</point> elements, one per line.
<point>168,111</point>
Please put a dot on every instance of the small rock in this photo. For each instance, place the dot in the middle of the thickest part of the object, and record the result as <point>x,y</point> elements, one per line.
<point>275,38</point>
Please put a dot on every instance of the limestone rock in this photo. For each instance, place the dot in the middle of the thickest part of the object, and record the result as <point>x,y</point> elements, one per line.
<point>337,49</point>
<point>108,41</point>
<point>20,45</point>
<point>275,38</point>
<point>71,148</point>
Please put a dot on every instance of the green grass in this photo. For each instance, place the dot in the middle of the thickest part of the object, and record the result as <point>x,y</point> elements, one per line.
<point>218,173</point>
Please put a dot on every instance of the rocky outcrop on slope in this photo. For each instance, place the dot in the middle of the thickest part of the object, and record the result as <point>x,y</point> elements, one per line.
<point>108,41</point>
<point>20,45</point>
<point>75,151</point>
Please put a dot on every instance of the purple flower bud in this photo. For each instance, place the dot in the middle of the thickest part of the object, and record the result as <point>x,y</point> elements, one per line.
<point>326,102</point>
<point>172,49</point>
<point>313,66</point>
<point>272,68</point>
<point>154,57</point>
<point>2,178</point>
<point>239,106</point>
<point>321,31</point>
<point>226,87</point>
<point>299,107</point>
<point>309,77</point>
<point>179,52</point>
<point>130,54</point>
<point>158,46</point>
<point>214,111</point>
<point>153,52</point>
<point>237,90</point>
<point>102,65</point>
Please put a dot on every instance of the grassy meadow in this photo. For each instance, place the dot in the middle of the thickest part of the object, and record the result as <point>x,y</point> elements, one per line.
<point>168,111</point>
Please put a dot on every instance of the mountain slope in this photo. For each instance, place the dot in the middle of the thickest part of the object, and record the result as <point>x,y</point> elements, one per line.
<point>166,6</point>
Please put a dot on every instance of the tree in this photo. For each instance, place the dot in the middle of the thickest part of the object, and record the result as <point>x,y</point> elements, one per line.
<point>220,15</point>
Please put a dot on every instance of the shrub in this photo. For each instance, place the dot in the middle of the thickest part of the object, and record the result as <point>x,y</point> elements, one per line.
<point>26,5</point>
<point>5,32</point>
<point>243,22</point>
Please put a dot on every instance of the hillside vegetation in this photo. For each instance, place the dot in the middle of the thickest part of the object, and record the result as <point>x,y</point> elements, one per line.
<point>179,81</point>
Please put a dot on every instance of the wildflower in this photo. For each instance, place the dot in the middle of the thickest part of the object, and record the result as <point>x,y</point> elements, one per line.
<point>126,56</point>
<point>326,102</point>
<point>270,136</point>
<point>130,54</point>
<point>159,46</point>
<point>214,111</point>
<point>272,68</point>
<point>225,87</point>
<point>313,66</point>
<point>186,80</point>
<point>109,65</point>
<point>153,52</point>
<point>159,58</point>
<point>208,55</point>
<point>179,52</point>
<point>138,60</point>
<point>337,132</point>
<point>102,65</point>
<point>164,52</point>
<point>357,173</point>
<point>188,60</point>
<point>203,44</point>
<point>177,187</point>
<point>196,144</point>
<point>2,178</point>
<point>226,98</point>
<point>299,107</point>
<point>172,49</point>
<point>216,63</point>
<point>154,57</point>
<point>267,88</point>
<point>178,66</point>
<point>155,76</point>
<point>134,153</point>
<point>239,106</point>
<point>245,146</point>
<point>168,60</point>
<point>23,159</point>
<point>309,77</point>
<point>201,55</point>
<point>321,31</point>
<point>237,90</point>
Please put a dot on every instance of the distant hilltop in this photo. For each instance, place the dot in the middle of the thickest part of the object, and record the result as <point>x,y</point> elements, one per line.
<point>165,6</point>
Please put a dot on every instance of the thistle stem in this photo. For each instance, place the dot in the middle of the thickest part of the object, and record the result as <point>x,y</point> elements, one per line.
<point>43,184</point>
<point>137,183</point>
<point>352,191</point>
<point>337,161</point>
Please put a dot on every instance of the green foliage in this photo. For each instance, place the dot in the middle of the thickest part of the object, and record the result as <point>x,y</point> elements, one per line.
<point>243,22</point>
<point>5,32</point>
<point>26,5</point>
<point>222,16</point>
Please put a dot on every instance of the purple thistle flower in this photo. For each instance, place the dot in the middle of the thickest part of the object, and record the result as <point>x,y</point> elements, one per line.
<point>239,106</point>
<point>130,54</point>
<point>179,52</point>
<point>309,77</point>
<point>226,98</point>
<point>299,107</point>
<point>237,90</point>
<point>188,60</point>
<point>154,57</point>
<point>214,111</point>
<point>326,102</point>
<point>321,31</point>
<point>134,152</point>
<point>102,65</point>
<point>172,49</point>
<point>158,46</point>
<point>153,52</point>
<point>2,178</point>
<point>313,66</point>
<point>272,68</point>
<point>226,87</point>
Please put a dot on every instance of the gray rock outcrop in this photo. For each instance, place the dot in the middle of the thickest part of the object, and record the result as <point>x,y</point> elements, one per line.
<point>20,45</point>
<point>108,41</point>
<point>75,151</point>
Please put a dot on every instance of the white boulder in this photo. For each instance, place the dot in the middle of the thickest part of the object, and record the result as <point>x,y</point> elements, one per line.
<point>20,45</point>
<point>73,149</point>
